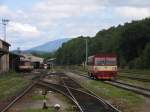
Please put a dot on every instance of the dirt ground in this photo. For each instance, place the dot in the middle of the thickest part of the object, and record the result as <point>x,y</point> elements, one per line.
<point>146,106</point>
<point>52,79</point>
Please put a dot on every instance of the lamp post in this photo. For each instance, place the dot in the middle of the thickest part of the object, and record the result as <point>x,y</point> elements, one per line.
<point>4,23</point>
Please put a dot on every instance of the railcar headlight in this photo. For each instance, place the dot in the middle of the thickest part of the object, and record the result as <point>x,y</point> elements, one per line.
<point>96,69</point>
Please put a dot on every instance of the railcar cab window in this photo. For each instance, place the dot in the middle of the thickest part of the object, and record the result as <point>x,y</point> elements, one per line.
<point>99,61</point>
<point>25,63</point>
<point>111,61</point>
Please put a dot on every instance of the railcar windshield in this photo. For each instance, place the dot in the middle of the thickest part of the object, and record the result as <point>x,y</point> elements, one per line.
<point>105,61</point>
<point>99,61</point>
<point>111,61</point>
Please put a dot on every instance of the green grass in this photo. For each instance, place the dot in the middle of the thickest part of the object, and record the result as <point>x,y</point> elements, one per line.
<point>38,97</point>
<point>40,110</point>
<point>140,73</point>
<point>69,107</point>
<point>135,82</point>
<point>80,68</point>
<point>134,75</point>
<point>10,83</point>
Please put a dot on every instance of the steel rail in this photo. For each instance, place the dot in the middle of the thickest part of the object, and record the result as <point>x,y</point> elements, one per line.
<point>48,85</point>
<point>55,86</point>
<point>135,78</point>
<point>139,87</point>
<point>105,104</point>
<point>128,87</point>
<point>94,95</point>
<point>73,96</point>
<point>139,91</point>
<point>24,92</point>
<point>18,97</point>
<point>126,76</point>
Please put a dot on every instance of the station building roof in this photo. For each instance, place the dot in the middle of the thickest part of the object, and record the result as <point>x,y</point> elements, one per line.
<point>6,43</point>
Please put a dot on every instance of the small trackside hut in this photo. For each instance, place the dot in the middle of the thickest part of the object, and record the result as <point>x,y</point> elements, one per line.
<point>102,66</point>
<point>4,56</point>
<point>14,61</point>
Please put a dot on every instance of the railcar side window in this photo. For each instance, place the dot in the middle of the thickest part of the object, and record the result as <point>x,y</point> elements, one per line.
<point>111,61</point>
<point>99,61</point>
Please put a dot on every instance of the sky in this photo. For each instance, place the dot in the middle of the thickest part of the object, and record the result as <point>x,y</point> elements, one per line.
<point>34,22</point>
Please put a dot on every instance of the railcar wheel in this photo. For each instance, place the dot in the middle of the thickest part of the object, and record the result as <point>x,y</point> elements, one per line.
<point>91,76</point>
<point>94,78</point>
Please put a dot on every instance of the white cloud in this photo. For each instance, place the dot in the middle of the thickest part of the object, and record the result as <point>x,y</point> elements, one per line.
<point>133,12</point>
<point>4,10</point>
<point>23,29</point>
<point>68,18</point>
<point>122,3</point>
<point>51,13</point>
<point>65,8</point>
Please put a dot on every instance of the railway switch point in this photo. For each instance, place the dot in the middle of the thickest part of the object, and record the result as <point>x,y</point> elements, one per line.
<point>44,104</point>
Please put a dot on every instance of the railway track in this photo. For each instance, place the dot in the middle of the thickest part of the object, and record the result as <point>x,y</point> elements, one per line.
<point>84,99</point>
<point>125,76</point>
<point>135,78</point>
<point>129,87</point>
<point>23,92</point>
<point>59,89</point>
<point>136,73</point>
<point>135,89</point>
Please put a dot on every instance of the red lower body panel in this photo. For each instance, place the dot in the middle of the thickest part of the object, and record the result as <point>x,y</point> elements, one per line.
<point>105,74</point>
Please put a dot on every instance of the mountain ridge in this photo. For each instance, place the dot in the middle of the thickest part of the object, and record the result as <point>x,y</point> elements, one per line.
<point>50,46</point>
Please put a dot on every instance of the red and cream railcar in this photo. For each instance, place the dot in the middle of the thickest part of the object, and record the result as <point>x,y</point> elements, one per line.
<point>102,66</point>
<point>25,65</point>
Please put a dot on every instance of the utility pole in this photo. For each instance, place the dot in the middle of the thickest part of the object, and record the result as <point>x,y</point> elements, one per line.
<point>86,50</point>
<point>4,23</point>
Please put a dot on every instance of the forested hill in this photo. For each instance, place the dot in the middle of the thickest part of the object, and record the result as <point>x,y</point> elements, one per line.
<point>131,42</point>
